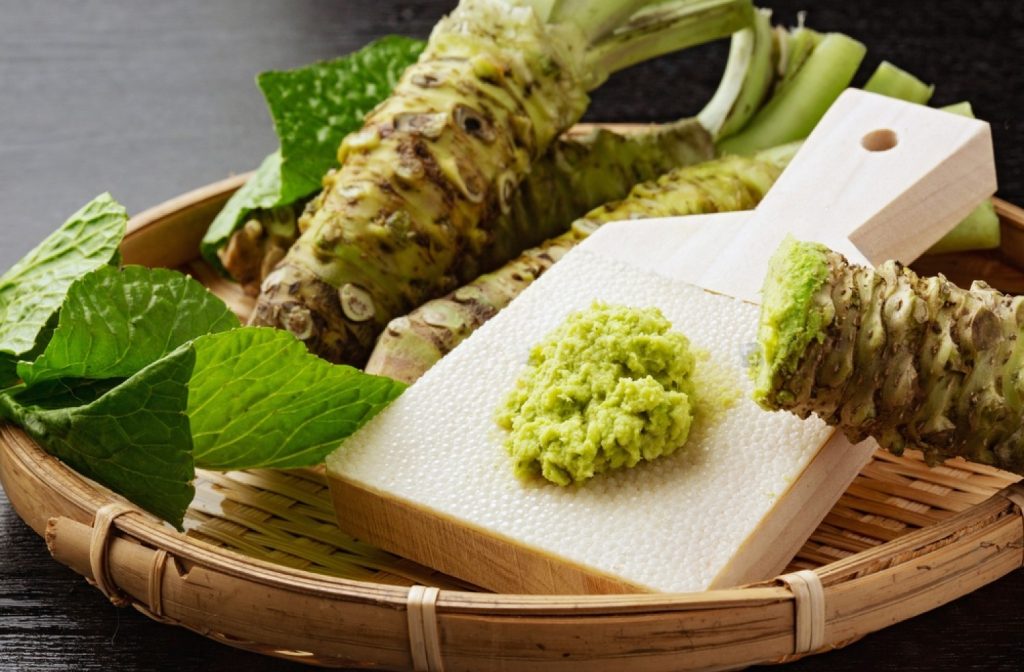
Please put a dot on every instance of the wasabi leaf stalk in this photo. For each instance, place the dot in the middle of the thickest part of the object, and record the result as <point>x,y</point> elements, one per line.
<point>817,69</point>
<point>748,78</point>
<point>888,80</point>
<point>914,362</point>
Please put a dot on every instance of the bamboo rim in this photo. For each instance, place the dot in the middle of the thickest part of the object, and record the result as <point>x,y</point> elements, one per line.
<point>240,600</point>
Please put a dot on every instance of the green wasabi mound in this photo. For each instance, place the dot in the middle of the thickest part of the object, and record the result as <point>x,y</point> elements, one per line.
<point>608,388</point>
<point>791,315</point>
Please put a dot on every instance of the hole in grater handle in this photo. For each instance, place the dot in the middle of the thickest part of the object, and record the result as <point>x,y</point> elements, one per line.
<point>880,140</point>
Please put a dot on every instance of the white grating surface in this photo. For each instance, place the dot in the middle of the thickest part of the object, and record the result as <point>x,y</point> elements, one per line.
<point>670,525</point>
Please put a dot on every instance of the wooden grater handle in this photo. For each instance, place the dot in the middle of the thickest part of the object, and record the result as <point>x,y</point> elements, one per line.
<point>877,179</point>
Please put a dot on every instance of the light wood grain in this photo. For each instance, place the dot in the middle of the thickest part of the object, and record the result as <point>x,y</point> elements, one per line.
<point>471,553</point>
<point>869,205</point>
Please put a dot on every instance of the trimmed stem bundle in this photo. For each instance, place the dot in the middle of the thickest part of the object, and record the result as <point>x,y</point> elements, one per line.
<point>910,361</point>
<point>407,213</point>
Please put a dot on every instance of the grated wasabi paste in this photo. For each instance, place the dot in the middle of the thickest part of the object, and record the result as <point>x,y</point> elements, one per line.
<point>608,388</point>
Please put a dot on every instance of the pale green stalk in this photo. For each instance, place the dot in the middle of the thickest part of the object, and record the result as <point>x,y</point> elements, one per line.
<point>962,108</point>
<point>799,104</point>
<point>888,80</point>
<point>665,28</point>
<point>747,80</point>
<point>596,18</point>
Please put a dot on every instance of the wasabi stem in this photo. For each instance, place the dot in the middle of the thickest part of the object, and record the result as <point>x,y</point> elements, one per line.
<point>912,362</point>
<point>405,215</point>
<point>804,95</point>
<point>667,27</point>
<point>795,48</point>
<point>413,343</point>
<point>888,80</point>
<point>581,172</point>
<point>596,18</point>
<point>747,80</point>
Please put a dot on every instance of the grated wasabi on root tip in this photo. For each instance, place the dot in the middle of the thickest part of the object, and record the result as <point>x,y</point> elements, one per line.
<point>911,361</point>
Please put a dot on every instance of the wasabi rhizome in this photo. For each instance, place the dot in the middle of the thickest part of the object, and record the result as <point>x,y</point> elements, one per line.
<point>402,220</point>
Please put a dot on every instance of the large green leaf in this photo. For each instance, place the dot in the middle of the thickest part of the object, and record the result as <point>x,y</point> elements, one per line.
<point>112,360</point>
<point>116,322</point>
<point>240,399</point>
<point>115,357</point>
<point>259,399</point>
<point>313,109</point>
<point>34,288</point>
<point>131,436</point>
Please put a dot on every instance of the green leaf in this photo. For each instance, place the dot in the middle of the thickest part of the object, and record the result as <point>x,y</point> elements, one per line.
<point>132,437</point>
<point>34,288</point>
<point>316,106</point>
<point>240,399</point>
<point>114,323</point>
<point>313,109</point>
<point>64,394</point>
<point>259,399</point>
<point>8,371</point>
<point>115,371</point>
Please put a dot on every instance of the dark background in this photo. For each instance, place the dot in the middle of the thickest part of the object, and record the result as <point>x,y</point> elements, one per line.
<point>150,99</point>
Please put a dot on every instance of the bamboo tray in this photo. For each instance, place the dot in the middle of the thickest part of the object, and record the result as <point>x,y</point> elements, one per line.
<point>263,567</point>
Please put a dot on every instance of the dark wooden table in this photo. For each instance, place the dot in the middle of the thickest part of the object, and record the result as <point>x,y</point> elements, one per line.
<point>148,100</point>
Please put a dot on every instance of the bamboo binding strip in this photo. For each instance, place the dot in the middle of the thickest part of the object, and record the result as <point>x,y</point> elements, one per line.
<point>156,585</point>
<point>99,542</point>
<point>424,633</point>
<point>809,610</point>
<point>263,566</point>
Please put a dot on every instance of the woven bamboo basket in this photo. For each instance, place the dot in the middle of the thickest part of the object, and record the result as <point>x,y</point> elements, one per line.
<point>263,567</point>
